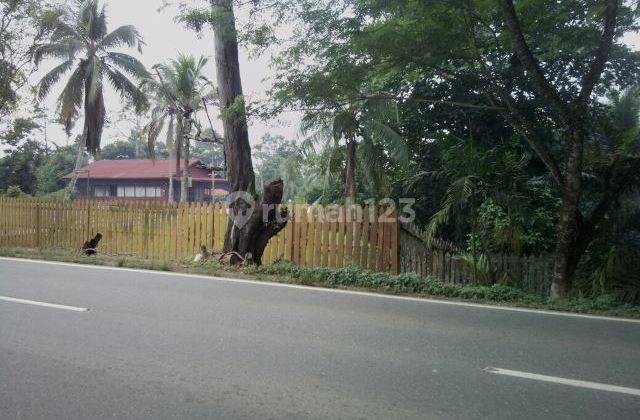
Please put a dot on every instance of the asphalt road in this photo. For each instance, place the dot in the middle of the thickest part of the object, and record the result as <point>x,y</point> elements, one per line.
<point>156,346</point>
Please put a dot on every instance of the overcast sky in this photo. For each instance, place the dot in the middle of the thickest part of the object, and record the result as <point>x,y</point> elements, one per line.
<point>164,40</point>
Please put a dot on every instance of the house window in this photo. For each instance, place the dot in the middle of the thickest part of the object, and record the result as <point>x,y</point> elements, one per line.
<point>139,191</point>
<point>126,191</point>
<point>154,192</point>
<point>101,191</point>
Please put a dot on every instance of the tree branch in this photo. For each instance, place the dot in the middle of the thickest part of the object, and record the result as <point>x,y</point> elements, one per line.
<point>425,100</point>
<point>514,117</point>
<point>597,66</point>
<point>530,63</point>
<point>526,128</point>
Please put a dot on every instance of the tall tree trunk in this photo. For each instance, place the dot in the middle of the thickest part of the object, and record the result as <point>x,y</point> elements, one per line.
<point>350,171</point>
<point>236,135</point>
<point>567,228</point>
<point>571,242</point>
<point>245,239</point>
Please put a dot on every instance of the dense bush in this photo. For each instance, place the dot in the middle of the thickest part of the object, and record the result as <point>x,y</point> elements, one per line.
<point>15,191</point>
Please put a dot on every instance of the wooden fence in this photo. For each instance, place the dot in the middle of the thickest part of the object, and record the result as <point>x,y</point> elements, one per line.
<point>443,260</point>
<point>331,236</point>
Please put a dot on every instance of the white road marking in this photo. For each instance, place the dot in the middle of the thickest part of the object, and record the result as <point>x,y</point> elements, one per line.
<point>564,381</point>
<point>340,291</point>
<point>45,304</point>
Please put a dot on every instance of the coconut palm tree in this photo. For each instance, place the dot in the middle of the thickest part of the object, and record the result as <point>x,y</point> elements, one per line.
<point>178,91</point>
<point>81,40</point>
<point>367,130</point>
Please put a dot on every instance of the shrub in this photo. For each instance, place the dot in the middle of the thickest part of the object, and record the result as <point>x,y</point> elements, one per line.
<point>411,283</point>
<point>15,191</point>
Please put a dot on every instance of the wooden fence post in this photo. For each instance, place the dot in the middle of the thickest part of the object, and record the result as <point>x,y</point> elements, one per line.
<point>395,248</point>
<point>291,233</point>
<point>38,243</point>
<point>88,230</point>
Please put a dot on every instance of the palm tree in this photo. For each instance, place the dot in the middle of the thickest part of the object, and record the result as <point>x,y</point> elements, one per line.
<point>178,93</point>
<point>366,128</point>
<point>80,38</point>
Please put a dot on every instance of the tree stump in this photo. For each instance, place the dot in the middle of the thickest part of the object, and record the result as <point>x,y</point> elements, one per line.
<point>251,225</point>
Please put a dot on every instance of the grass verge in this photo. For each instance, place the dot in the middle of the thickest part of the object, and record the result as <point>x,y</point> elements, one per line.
<point>352,278</point>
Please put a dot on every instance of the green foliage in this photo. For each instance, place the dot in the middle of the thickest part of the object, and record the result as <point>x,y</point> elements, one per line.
<point>120,149</point>
<point>234,112</point>
<point>494,201</point>
<point>20,32</point>
<point>195,18</point>
<point>210,154</point>
<point>403,283</point>
<point>518,230</point>
<point>211,15</point>
<point>455,72</point>
<point>369,123</point>
<point>280,158</point>
<point>607,304</point>
<point>15,192</point>
<point>479,265</point>
<point>55,165</point>
<point>352,277</point>
<point>22,156</point>
<point>19,166</point>
<point>612,263</point>
<point>177,92</point>
<point>21,129</point>
<point>58,195</point>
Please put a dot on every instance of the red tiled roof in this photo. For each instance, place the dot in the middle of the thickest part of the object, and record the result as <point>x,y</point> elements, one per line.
<point>139,169</point>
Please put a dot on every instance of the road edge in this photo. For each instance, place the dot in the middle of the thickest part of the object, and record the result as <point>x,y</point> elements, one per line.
<point>266,283</point>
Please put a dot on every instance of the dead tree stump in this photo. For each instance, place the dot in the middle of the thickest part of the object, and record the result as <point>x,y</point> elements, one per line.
<point>254,224</point>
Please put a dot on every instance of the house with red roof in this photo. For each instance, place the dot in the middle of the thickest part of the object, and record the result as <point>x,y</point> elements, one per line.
<point>147,180</point>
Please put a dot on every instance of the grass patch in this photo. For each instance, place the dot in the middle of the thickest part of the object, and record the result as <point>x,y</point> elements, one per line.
<point>407,284</point>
